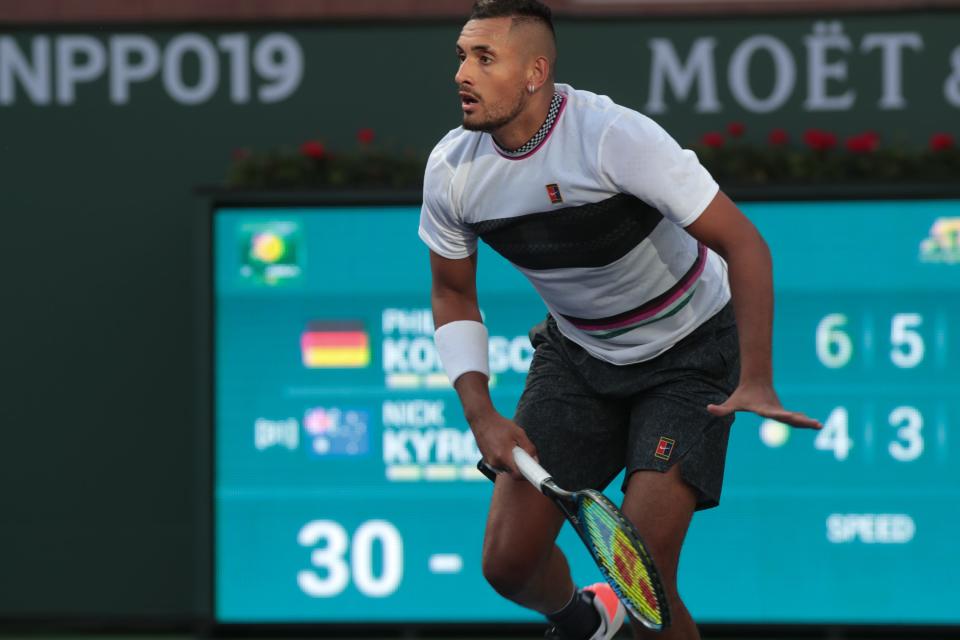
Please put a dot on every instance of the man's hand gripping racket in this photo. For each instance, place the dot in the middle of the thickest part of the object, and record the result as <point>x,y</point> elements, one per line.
<point>612,540</point>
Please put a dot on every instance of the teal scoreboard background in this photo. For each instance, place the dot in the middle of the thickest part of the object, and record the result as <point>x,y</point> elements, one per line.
<point>345,486</point>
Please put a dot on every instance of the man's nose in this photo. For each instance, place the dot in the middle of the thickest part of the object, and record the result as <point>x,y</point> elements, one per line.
<point>461,77</point>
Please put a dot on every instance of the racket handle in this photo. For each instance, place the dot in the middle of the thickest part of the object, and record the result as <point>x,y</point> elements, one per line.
<point>487,470</point>
<point>532,471</point>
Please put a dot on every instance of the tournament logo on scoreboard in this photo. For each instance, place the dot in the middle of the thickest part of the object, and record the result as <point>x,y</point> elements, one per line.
<point>335,344</point>
<point>337,431</point>
<point>271,253</point>
<point>943,243</point>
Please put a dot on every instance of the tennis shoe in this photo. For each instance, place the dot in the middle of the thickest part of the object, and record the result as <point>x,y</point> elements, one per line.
<point>610,609</point>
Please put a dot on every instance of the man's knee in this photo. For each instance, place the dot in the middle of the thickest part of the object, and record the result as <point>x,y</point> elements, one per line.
<point>664,544</point>
<point>520,535</point>
<point>508,571</point>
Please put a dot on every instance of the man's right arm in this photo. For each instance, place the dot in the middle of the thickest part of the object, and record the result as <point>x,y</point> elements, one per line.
<point>454,297</point>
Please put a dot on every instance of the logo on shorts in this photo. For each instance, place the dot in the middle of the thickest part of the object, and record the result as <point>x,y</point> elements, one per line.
<point>664,448</point>
<point>554,192</point>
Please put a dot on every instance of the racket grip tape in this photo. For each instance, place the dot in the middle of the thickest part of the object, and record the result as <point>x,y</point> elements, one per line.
<point>532,471</point>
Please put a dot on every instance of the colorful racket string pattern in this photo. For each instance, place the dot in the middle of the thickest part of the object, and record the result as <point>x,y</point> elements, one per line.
<point>618,557</point>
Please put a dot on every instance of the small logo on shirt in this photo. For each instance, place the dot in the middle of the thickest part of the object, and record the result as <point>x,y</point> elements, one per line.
<point>664,448</point>
<point>554,192</point>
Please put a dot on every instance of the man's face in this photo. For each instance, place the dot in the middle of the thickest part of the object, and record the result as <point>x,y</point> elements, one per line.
<point>492,74</point>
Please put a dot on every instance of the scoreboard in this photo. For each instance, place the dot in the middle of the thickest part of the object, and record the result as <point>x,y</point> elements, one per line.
<point>345,481</point>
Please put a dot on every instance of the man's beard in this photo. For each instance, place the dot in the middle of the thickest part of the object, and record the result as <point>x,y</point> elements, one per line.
<point>495,121</point>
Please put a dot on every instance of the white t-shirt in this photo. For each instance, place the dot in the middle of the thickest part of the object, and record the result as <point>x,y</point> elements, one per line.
<point>593,217</point>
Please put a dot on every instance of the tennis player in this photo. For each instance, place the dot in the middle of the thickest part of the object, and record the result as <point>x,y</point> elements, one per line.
<point>660,311</point>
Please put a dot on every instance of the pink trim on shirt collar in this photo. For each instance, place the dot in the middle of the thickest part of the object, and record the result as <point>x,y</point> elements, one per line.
<point>563,105</point>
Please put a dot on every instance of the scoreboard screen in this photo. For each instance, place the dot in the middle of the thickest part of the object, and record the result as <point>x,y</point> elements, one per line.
<point>345,481</point>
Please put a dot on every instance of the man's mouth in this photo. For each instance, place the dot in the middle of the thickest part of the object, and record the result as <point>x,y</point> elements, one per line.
<point>467,101</point>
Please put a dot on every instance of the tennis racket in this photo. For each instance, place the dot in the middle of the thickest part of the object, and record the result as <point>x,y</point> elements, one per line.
<point>612,540</point>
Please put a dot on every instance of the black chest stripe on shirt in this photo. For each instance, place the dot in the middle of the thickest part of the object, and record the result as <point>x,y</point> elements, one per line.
<point>589,235</point>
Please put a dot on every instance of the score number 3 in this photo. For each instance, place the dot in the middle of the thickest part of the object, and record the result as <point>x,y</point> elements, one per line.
<point>835,347</point>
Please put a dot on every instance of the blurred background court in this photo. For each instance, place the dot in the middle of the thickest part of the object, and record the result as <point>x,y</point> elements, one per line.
<point>196,195</point>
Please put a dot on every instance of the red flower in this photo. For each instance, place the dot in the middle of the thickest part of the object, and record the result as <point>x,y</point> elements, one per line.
<point>313,149</point>
<point>713,139</point>
<point>779,137</point>
<point>941,141</point>
<point>858,144</point>
<point>365,136</point>
<point>240,153</point>
<point>867,142</point>
<point>819,140</point>
<point>736,129</point>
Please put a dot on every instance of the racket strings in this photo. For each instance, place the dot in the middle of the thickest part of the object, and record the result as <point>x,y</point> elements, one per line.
<point>621,559</point>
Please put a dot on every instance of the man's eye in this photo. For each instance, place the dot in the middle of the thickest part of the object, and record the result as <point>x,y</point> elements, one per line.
<point>485,59</point>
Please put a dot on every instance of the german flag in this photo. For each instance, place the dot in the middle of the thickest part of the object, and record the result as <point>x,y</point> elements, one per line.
<point>335,345</point>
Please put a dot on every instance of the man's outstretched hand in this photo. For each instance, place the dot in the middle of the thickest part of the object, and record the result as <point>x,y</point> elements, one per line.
<point>763,401</point>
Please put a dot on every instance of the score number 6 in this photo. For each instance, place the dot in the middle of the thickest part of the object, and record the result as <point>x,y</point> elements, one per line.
<point>834,346</point>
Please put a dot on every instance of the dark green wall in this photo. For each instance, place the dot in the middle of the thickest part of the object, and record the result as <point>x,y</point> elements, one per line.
<point>102,490</point>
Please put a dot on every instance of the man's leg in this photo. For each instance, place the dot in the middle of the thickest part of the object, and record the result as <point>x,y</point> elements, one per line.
<point>661,505</point>
<point>580,439</point>
<point>520,558</point>
<point>677,450</point>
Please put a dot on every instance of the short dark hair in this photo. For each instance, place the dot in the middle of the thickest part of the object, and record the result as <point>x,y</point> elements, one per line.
<point>519,10</point>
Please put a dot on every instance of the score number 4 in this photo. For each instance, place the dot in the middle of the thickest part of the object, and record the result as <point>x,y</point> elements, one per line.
<point>908,421</point>
<point>835,347</point>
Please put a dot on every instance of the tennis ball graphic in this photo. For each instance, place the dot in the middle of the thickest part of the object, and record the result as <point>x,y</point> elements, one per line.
<point>268,247</point>
<point>774,434</point>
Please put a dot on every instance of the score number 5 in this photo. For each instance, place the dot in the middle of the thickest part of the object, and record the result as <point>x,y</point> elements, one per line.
<point>835,347</point>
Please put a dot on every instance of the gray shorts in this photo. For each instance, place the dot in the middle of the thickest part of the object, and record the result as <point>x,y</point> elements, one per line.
<point>589,419</point>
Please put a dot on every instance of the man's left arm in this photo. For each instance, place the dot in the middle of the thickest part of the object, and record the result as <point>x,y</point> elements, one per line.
<point>724,228</point>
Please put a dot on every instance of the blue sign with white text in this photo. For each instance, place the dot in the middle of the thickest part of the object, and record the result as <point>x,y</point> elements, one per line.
<point>346,488</point>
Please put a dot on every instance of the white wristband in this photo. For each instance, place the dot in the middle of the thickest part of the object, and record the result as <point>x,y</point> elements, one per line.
<point>463,347</point>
